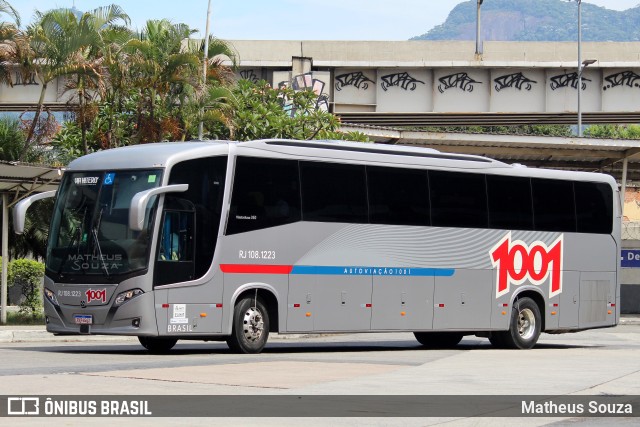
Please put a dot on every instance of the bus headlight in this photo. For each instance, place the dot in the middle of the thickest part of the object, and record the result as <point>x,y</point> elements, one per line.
<point>126,296</point>
<point>51,296</point>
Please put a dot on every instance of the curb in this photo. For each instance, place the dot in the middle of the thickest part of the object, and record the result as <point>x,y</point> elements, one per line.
<point>41,335</point>
<point>16,336</point>
<point>632,320</point>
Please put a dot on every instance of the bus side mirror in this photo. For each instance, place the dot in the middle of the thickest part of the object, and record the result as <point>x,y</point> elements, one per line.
<point>20,209</point>
<point>140,200</point>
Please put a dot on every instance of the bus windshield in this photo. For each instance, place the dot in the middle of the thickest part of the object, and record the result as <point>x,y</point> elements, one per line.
<point>90,234</point>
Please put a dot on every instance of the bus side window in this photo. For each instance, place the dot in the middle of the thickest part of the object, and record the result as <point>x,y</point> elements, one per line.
<point>266,193</point>
<point>594,207</point>
<point>510,202</point>
<point>398,196</point>
<point>553,205</point>
<point>176,240</point>
<point>458,199</point>
<point>334,192</point>
<point>176,245</point>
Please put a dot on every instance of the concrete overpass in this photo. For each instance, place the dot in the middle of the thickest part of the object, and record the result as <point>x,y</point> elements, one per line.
<point>422,83</point>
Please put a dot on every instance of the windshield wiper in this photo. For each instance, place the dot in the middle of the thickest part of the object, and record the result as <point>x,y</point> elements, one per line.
<point>76,238</point>
<point>94,231</point>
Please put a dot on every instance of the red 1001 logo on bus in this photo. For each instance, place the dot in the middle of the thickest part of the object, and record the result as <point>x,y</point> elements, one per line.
<point>517,262</point>
<point>96,295</point>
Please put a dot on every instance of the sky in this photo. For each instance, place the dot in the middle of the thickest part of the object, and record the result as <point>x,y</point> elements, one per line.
<point>288,19</point>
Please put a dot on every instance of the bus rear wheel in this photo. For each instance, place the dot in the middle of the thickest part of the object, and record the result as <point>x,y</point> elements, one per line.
<point>250,329</point>
<point>438,339</point>
<point>525,325</point>
<point>157,345</point>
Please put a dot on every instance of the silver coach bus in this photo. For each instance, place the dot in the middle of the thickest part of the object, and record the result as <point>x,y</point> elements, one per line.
<point>231,241</point>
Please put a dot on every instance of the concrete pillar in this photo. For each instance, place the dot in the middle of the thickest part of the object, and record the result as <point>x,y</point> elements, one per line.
<point>300,65</point>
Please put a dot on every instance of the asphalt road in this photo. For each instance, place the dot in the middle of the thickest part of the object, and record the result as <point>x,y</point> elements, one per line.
<point>597,362</point>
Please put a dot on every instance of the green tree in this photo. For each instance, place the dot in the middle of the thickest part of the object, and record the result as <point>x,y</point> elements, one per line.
<point>9,40</point>
<point>62,44</point>
<point>7,9</point>
<point>88,87</point>
<point>214,99</point>
<point>161,68</point>
<point>110,125</point>
<point>34,239</point>
<point>260,111</point>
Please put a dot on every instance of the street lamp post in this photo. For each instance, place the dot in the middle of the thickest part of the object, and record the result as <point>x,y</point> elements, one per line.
<point>204,67</point>
<point>478,35</point>
<point>584,64</point>
<point>579,68</point>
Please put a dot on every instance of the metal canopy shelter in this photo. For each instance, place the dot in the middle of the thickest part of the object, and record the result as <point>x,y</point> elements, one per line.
<point>18,181</point>
<point>620,158</point>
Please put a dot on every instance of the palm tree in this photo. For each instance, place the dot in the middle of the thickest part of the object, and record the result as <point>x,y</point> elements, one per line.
<point>90,85</point>
<point>115,60</point>
<point>214,102</point>
<point>65,44</point>
<point>163,70</point>
<point>34,239</point>
<point>8,39</point>
<point>7,9</point>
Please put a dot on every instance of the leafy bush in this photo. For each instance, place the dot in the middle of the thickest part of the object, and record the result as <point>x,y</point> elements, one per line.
<point>260,111</point>
<point>12,139</point>
<point>27,274</point>
<point>18,318</point>
<point>613,131</point>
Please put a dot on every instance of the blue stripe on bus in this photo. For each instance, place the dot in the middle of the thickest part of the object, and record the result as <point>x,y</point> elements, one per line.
<point>372,271</point>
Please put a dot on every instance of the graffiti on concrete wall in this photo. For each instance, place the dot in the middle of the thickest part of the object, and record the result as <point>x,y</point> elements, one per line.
<point>623,78</point>
<point>25,80</point>
<point>515,80</point>
<point>401,80</point>
<point>460,80</point>
<point>356,79</point>
<point>305,82</point>
<point>249,75</point>
<point>567,80</point>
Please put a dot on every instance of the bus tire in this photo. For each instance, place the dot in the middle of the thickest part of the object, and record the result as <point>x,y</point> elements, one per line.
<point>250,329</point>
<point>525,325</point>
<point>157,345</point>
<point>438,339</point>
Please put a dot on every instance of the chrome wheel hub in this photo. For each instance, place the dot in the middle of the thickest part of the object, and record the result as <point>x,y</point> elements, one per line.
<point>253,324</point>
<point>526,324</point>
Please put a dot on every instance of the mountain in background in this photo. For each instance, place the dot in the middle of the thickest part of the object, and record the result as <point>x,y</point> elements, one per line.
<point>537,20</point>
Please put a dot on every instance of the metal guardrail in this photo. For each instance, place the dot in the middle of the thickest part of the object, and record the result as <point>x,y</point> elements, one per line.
<point>480,119</point>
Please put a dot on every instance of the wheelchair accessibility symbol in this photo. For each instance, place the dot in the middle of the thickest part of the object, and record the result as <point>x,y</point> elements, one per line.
<point>108,178</point>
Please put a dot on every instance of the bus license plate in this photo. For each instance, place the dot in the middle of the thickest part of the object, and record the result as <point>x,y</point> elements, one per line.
<point>83,319</point>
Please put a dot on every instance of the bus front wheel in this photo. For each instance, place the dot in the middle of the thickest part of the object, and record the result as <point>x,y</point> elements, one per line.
<point>250,329</point>
<point>157,345</point>
<point>438,339</point>
<point>525,326</point>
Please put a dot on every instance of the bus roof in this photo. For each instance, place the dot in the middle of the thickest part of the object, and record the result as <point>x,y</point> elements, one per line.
<point>145,156</point>
<point>162,155</point>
